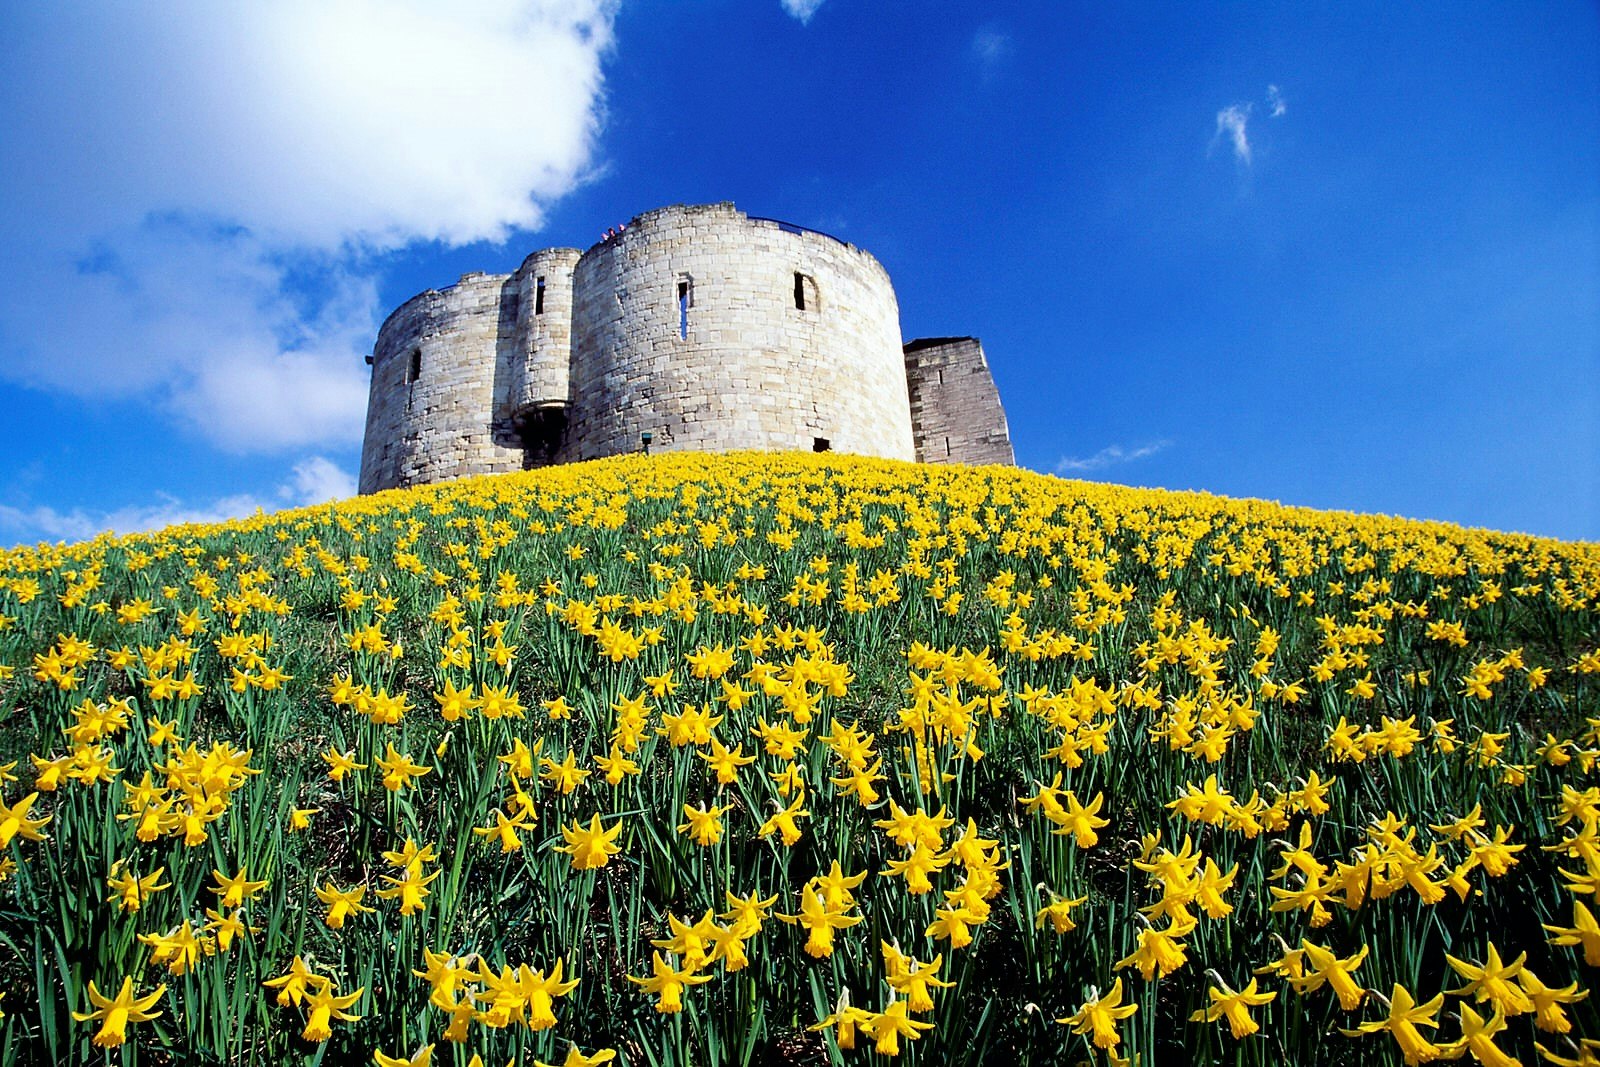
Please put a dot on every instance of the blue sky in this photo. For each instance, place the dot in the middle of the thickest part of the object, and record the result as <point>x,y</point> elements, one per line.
<point>1342,256</point>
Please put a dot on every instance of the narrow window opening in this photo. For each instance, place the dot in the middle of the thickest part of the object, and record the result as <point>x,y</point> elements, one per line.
<point>683,309</point>
<point>414,368</point>
<point>947,446</point>
<point>821,444</point>
<point>538,297</point>
<point>941,375</point>
<point>805,292</point>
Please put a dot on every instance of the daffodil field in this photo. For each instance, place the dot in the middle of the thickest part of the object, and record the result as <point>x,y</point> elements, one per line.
<point>772,759</point>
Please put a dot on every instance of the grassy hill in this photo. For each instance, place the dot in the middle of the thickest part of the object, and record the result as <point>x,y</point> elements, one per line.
<point>686,756</point>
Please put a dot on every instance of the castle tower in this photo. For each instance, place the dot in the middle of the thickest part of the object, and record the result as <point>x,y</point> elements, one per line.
<point>709,329</point>
<point>440,371</point>
<point>541,391</point>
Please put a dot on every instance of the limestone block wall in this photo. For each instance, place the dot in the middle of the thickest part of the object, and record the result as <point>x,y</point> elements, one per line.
<point>442,369</point>
<point>687,327</point>
<point>956,414</point>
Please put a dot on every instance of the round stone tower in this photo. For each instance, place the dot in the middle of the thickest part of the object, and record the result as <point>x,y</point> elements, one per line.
<point>541,382</point>
<point>708,329</point>
<point>438,370</point>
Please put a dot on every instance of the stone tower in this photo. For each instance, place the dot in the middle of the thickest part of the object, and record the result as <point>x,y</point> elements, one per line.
<point>701,326</point>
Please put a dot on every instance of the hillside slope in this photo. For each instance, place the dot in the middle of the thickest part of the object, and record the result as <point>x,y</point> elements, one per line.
<point>742,745</point>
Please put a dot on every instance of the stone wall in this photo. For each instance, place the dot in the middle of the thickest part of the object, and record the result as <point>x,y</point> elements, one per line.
<point>687,327</point>
<point>442,367</point>
<point>956,414</point>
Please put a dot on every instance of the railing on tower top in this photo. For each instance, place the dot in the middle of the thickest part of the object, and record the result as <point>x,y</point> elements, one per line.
<point>790,227</point>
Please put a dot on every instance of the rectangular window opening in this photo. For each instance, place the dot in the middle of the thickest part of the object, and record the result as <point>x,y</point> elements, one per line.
<point>805,292</point>
<point>821,444</point>
<point>947,447</point>
<point>683,309</point>
<point>538,297</point>
<point>414,368</point>
<point>941,375</point>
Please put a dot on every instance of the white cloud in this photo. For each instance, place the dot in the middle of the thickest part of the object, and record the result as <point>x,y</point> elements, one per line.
<point>25,526</point>
<point>802,9</point>
<point>1231,122</point>
<point>317,480</point>
<point>194,192</point>
<point>314,480</point>
<point>207,326</point>
<point>1110,456</point>
<point>1275,102</point>
<point>314,122</point>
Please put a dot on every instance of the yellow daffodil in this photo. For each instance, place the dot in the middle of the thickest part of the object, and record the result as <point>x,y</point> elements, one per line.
<point>505,830</point>
<point>819,921</point>
<point>423,1057</point>
<point>519,761</point>
<point>704,824</point>
<point>590,846</point>
<point>576,1058</point>
<point>14,821</point>
<point>913,980</point>
<point>236,890</point>
<point>888,1026</point>
<point>844,1021</point>
<point>398,770</point>
<point>323,1006</point>
<point>1547,1001</point>
<point>667,984</point>
<point>1403,1022</point>
<point>1058,913</point>
<point>341,764</point>
<point>1584,931</point>
<point>341,903</point>
<point>1477,1038</point>
<point>1233,1006</point>
<point>1098,1017</point>
<point>1322,966</point>
<point>1158,952</point>
<point>783,822</point>
<point>565,776</point>
<point>293,984</point>
<point>1494,982</point>
<point>115,1013</point>
<point>1082,820</point>
<point>129,891</point>
<point>916,868</point>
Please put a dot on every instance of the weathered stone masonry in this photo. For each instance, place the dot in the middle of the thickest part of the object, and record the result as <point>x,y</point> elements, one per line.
<point>701,326</point>
<point>955,410</point>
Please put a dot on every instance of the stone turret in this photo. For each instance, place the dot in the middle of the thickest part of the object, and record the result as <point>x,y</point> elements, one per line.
<point>542,380</point>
